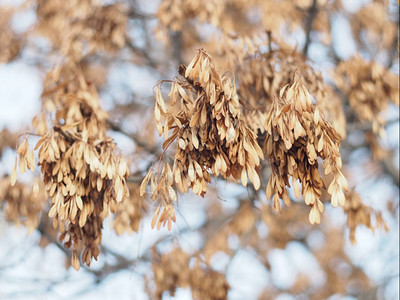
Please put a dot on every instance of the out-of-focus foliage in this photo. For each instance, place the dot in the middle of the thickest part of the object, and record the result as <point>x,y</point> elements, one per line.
<point>238,96</point>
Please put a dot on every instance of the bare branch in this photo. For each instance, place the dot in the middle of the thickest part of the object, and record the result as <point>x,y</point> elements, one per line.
<point>312,13</point>
<point>134,137</point>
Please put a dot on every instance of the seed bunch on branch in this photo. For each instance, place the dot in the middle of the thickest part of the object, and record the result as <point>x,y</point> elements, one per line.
<point>360,214</point>
<point>369,87</point>
<point>212,138</point>
<point>23,203</point>
<point>297,135</point>
<point>127,214</point>
<point>10,44</point>
<point>178,269</point>
<point>374,26</point>
<point>261,74</point>
<point>173,14</point>
<point>81,168</point>
<point>95,27</point>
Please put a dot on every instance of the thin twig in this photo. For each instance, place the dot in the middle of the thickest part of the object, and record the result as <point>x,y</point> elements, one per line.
<point>144,53</point>
<point>134,14</point>
<point>367,126</point>
<point>389,169</point>
<point>392,53</point>
<point>176,39</point>
<point>312,13</point>
<point>134,137</point>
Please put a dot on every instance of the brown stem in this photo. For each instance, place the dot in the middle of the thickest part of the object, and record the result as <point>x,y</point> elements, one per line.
<point>134,137</point>
<point>312,13</point>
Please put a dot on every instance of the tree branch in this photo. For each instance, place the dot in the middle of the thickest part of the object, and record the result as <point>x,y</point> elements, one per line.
<point>134,137</point>
<point>392,53</point>
<point>389,169</point>
<point>312,13</point>
<point>141,52</point>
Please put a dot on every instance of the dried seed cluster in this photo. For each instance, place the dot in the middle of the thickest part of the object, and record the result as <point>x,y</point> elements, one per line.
<point>369,87</point>
<point>10,43</point>
<point>23,203</point>
<point>279,233</point>
<point>26,161</point>
<point>241,224</point>
<point>81,170</point>
<point>7,140</point>
<point>55,16</point>
<point>236,54</point>
<point>173,14</point>
<point>297,135</point>
<point>128,213</point>
<point>104,29</point>
<point>212,138</point>
<point>261,77</point>
<point>240,18</point>
<point>360,214</point>
<point>101,27</point>
<point>374,23</point>
<point>161,189</point>
<point>172,270</point>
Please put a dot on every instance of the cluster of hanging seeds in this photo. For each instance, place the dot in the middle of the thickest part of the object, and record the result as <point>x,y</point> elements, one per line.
<point>81,169</point>
<point>297,135</point>
<point>212,138</point>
